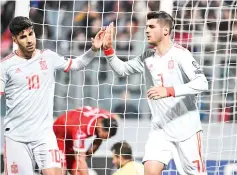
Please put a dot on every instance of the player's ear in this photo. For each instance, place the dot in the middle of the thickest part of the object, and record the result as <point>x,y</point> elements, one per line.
<point>14,39</point>
<point>166,30</point>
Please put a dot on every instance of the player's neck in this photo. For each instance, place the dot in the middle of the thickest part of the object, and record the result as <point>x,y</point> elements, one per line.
<point>25,55</point>
<point>163,47</point>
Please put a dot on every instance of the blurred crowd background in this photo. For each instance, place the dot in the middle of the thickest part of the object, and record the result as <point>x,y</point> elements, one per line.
<point>207,28</point>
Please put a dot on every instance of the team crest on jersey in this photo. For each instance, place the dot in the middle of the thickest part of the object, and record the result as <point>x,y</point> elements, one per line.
<point>171,64</point>
<point>43,65</point>
<point>198,68</point>
<point>14,168</point>
<point>18,70</point>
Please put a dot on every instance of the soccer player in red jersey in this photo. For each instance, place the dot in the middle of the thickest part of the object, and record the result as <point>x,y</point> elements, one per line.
<point>73,127</point>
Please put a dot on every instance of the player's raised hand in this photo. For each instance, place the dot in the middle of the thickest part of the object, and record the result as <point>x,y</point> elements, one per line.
<point>108,38</point>
<point>156,92</point>
<point>98,40</point>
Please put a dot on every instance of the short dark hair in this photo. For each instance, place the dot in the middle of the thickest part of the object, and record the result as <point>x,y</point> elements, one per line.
<point>18,24</point>
<point>110,125</point>
<point>163,17</point>
<point>122,148</point>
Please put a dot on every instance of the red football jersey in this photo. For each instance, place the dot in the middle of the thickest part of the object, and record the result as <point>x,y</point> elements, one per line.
<point>73,127</point>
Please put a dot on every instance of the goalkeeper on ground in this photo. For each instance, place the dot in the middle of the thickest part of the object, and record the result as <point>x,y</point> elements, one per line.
<point>173,78</point>
<point>71,130</point>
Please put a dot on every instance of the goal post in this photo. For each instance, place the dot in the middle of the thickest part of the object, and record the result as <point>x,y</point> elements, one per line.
<point>206,28</point>
<point>22,8</point>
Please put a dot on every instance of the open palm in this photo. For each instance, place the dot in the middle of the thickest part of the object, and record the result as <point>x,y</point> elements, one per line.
<point>108,38</point>
<point>98,40</point>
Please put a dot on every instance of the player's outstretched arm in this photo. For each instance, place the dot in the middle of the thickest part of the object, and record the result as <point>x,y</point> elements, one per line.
<point>67,64</point>
<point>120,67</point>
<point>83,60</point>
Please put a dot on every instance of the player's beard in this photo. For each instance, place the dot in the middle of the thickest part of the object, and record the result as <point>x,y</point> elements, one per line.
<point>155,41</point>
<point>152,43</point>
<point>30,49</point>
<point>27,51</point>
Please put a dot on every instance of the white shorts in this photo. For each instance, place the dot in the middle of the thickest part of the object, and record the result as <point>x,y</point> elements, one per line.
<point>187,154</point>
<point>20,158</point>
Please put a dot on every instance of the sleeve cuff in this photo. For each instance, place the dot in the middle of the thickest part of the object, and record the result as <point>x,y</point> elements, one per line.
<point>109,52</point>
<point>170,92</point>
<point>69,66</point>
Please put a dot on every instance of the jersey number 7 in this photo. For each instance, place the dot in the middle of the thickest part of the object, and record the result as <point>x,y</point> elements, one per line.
<point>161,79</point>
<point>33,82</point>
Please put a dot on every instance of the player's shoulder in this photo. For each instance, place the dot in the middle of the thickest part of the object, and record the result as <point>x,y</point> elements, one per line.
<point>129,168</point>
<point>119,172</point>
<point>179,48</point>
<point>148,53</point>
<point>59,119</point>
<point>8,58</point>
<point>180,51</point>
<point>46,52</point>
<point>43,51</point>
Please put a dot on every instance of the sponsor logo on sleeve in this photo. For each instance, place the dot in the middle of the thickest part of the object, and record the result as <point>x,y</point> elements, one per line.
<point>198,68</point>
<point>196,65</point>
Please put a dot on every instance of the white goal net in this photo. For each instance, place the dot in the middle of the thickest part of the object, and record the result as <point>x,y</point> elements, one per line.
<point>207,28</point>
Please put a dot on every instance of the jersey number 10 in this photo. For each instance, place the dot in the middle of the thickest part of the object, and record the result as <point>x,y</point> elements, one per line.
<point>33,82</point>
